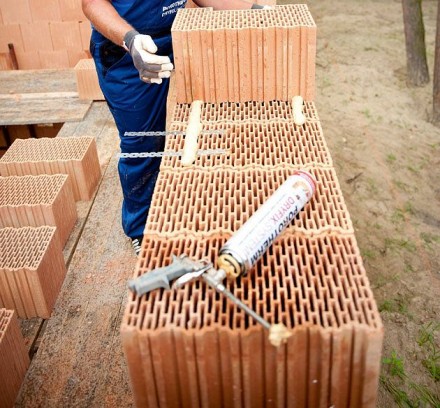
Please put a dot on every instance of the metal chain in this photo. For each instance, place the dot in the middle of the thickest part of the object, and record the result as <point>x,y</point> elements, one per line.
<point>173,133</point>
<point>206,152</point>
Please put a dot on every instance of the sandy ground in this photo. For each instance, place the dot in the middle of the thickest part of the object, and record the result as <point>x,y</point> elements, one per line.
<point>387,156</point>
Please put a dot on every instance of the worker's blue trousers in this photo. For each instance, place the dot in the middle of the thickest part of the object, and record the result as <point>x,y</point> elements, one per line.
<point>136,107</point>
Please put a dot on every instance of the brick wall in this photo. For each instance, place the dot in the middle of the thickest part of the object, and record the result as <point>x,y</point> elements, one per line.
<point>45,33</point>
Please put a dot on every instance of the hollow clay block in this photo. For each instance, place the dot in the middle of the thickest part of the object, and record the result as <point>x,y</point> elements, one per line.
<point>297,107</point>
<point>179,61</point>
<point>244,64</point>
<point>303,60</point>
<point>269,64</point>
<point>294,62</point>
<point>192,134</point>
<point>14,359</point>
<point>207,64</point>
<point>311,64</point>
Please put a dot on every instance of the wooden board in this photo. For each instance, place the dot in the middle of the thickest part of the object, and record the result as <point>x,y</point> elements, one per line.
<point>43,110</point>
<point>37,81</point>
<point>38,97</point>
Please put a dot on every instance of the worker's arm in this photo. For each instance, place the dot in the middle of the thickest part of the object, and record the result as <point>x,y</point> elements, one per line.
<point>106,19</point>
<point>227,5</point>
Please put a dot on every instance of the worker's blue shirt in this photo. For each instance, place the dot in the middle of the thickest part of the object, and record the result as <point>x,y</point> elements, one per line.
<point>153,17</point>
<point>155,14</point>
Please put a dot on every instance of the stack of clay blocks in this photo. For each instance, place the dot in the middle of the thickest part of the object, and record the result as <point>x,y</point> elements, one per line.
<point>75,156</point>
<point>32,270</point>
<point>87,80</point>
<point>192,347</point>
<point>37,201</point>
<point>44,33</point>
<point>14,360</point>
<point>243,55</point>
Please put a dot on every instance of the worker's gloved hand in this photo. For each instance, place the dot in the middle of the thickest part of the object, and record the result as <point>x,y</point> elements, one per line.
<point>257,6</point>
<point>152,68</point>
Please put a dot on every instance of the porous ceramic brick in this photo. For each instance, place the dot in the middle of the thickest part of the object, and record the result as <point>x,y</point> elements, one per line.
<point>77,55</point>
<point>32,270</point>
<point>85,29</point>
<point>28,60</point>
<point>11,34</point>
<point>71,10</point>
<point>222,200</point>
<point>54,59</point>
<point>14,359</point>
<point>36,36</point>
<point>253,144</point>
<point>259,54</point>
<point>313,274</point>
<point>66,35</point>
<point>75,156</point>
<point>87,80</point>
<point>269,58</point>
<point>37,201</point>
<point>15,11</point>
<point>47,10</point>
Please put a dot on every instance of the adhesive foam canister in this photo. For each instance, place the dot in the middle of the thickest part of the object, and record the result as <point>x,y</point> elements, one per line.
<point>256,235</point>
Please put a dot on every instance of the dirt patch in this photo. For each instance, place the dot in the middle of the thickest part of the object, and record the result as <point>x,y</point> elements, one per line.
<point>387,156</point>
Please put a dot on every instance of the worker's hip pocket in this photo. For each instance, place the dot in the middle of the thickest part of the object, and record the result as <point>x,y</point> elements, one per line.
<point>111,56</point>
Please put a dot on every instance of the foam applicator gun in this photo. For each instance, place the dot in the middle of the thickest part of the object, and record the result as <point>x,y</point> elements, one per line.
<point>241,252</point>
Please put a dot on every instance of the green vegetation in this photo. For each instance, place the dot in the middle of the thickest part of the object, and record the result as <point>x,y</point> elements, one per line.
<point>429,239</point>
<point>427,343</point>
<point>400,244</point>
<point>396,382</point>
<point>368,254</point>
<point>391,158</point>
<point>397,305</point>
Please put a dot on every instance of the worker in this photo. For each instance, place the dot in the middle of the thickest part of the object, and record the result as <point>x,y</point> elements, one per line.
<point>131,46</point>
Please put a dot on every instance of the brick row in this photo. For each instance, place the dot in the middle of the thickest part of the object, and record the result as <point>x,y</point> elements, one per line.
<point>253,144</point>
<point>301,280</point>
<point>243,55</point>
<point>222,200</point>
<point>251,111</point>
<point>14,360</point>
<point>37,201</point>
<point>32,270</point>
<point>45,34</point>
<point>221,367</point>
<point>75,156</point>
<point>315,285</point>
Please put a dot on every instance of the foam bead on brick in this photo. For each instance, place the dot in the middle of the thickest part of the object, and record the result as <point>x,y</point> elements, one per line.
<point>75,156</point>
<point>253,144</point>
<point>244,112</point>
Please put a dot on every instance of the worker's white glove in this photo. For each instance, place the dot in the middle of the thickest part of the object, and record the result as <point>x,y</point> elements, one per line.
<point>152,68</point>
<point>258,6</point>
